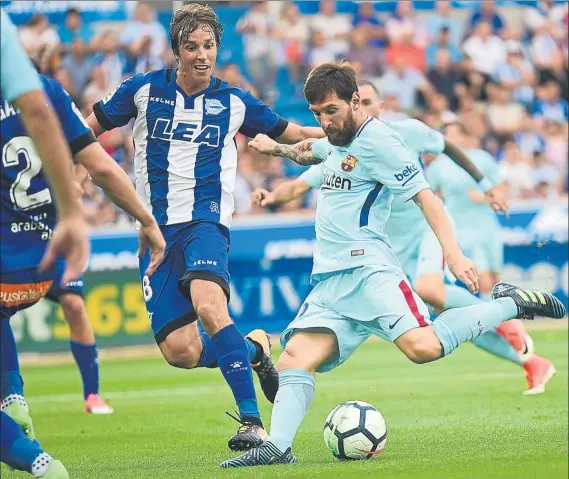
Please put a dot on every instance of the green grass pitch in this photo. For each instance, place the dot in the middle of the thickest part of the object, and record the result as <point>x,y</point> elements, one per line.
<point>462,417</point>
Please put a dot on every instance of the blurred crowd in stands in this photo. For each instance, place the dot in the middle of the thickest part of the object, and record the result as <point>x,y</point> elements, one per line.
<point>502,72</point>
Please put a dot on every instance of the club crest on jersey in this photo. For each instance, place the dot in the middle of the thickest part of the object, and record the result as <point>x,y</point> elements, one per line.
<point>213,106</point>
<point>349,163</point>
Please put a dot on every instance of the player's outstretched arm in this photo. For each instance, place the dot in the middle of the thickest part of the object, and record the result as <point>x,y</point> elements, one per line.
<point>462,267</point>
<point>295,133</point>
<point>106,173</point>
<point>95,126</point>
<point>300,153</point>
<point>493,193</point>
<point>286,191</point>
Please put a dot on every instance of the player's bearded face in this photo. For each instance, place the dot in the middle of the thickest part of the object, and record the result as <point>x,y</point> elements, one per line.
<point>342,128</point>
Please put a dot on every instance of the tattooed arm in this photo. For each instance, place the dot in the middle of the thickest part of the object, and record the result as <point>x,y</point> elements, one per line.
<point>300,153</point>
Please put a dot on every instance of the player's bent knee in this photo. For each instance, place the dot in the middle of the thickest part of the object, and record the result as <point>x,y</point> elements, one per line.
<point>210,304</point>
<point>72,305</point>
<point>308,351</point>
<point>420,345</point>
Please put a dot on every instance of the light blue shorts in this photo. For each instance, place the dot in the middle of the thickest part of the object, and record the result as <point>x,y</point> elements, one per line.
<point>485,248</point>
<point>357,303</point>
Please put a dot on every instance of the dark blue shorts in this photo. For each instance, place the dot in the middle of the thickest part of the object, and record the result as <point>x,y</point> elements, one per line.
<point>195,250</point>
<point>57,289</point>
<point>21,289</point>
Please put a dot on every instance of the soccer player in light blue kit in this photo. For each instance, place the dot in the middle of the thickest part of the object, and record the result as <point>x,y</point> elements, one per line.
<point>479,234</point>
<point>360,288</point>
<point>415,244</point>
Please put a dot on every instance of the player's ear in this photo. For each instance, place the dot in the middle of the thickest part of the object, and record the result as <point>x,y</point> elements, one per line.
<point>356,100</point>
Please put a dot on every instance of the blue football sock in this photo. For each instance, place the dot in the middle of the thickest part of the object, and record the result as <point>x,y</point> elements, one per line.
<point>496,344</point>
<point>16,449</point>
<point>296,390</point>
<point>10,380</point>
<point>86,357</point>
<point>234,361</point>
<point>457,297</point>
<point>208,359</point>
<point>457,326</point>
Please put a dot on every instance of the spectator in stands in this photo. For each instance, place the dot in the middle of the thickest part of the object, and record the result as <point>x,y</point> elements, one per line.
<point>402,46</point>
<point>487,13</point>
<point>231,73</point>
<point>444,77</point>
<point>63,76</point>
<point>550,106</point>
<point>391,109</point>
<point>543,45</point>
<point>78,63</point>
<point>472,83</point>
<point>404,21</point>
<point>527,138</point>
<point>367,19</point>
<point>369,57</point>
<point>112,61</point>
<point>293,32</point>
<point>145,39</point>
<point>544,11</point>
<point>404,83</point>
<point>97,210</point>
<point>438,105</point>
<point>257,29</point>
<point>504,115</point>
<point>38,38</point>
<point>443,18</point>
<point>545,175</point>
<point>515,172</point>
<point>442,42</point>
<point>320,50</point>
<point>73,28</point>
<point>336,28</point>
<point>555,136</point>
<point>516,73</point>
<point>485,49</point>
<point>557,73</point>
<point>96,89</point>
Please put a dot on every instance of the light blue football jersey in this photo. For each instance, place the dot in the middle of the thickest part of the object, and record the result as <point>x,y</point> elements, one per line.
<point>359,184</point>
<point>17,74</point>
<point>407,225</point>
<point>454,183</point>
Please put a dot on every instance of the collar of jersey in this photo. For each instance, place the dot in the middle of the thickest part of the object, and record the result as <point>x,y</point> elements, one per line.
<point>195,95</point>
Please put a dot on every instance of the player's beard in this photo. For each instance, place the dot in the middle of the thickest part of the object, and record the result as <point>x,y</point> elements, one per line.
<point>344,136</point>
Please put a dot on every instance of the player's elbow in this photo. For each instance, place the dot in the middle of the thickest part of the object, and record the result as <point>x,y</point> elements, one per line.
<point>97,162</point>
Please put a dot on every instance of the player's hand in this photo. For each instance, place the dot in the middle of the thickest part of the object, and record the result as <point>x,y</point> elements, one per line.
<point>465,271</point>
<point>261,198</point>
<point>498,201</point>
<point>150,236</point>
<point>263,144</point>
<point>69,241</point>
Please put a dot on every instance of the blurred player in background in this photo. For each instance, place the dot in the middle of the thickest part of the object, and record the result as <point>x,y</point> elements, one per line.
<point>480,234</point>
<point>185,122</point>
<point>32,142</point>
<point>420,255</point>
<point>20,84</point>
<point>360,288</point>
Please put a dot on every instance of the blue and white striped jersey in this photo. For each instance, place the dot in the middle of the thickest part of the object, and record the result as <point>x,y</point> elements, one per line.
<point>185,153</point>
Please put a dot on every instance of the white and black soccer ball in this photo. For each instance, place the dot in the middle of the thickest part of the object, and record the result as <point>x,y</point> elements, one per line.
<point>355,430</point>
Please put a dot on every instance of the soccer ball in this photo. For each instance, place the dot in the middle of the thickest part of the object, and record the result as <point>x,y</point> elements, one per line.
<point>355,430</point>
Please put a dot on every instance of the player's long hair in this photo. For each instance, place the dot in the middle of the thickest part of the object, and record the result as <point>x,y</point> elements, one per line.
<point>188,19</point>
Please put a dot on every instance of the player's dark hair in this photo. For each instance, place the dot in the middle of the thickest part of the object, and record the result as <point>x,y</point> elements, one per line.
<point>370,84</point>
<point>188,19</point>
<point>334,77</point>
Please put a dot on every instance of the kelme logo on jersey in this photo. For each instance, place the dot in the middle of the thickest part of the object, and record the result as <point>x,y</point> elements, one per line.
<point>407,174</point>
<point>190,132</point>
<point>335,181</point>
<point>349,163</point>
<point>213,106</point>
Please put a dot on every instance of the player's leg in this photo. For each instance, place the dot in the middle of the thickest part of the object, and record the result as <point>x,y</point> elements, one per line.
<point>23,454</point>
<point>318,340</point>
<point>12,384</point>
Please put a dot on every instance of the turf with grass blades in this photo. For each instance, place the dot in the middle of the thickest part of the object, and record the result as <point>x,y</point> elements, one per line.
<point>462,417</point>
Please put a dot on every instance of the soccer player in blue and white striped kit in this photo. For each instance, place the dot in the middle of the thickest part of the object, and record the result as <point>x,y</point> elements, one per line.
<point>185,122</point>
